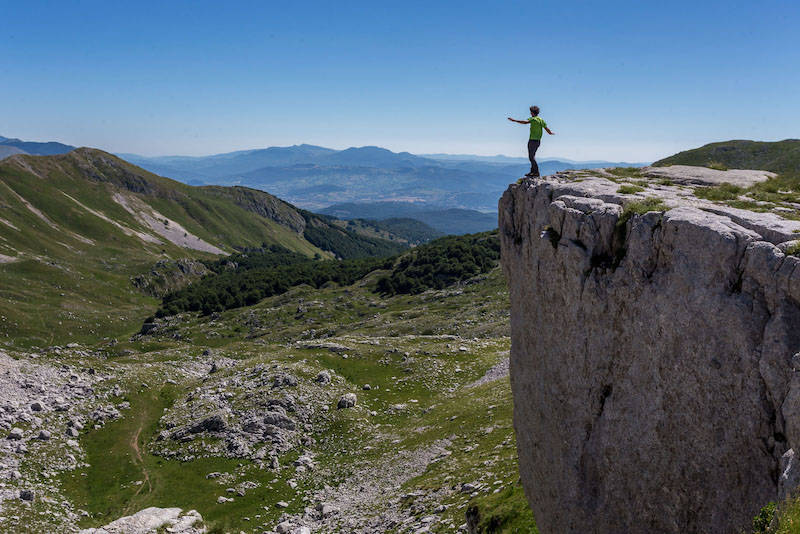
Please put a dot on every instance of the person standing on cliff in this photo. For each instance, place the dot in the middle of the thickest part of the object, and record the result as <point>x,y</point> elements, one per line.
<point>537,124</point>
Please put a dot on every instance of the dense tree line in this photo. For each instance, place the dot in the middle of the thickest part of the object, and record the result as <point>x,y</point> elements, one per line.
<point>244,279</point>
<point>345,244</point>
<point>414,231</point>
<point>264,257</point>
<point>442,262</point>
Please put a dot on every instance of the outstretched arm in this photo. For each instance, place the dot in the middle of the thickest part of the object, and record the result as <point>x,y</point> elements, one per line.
<point>519,121</point>
<point>548,130</point>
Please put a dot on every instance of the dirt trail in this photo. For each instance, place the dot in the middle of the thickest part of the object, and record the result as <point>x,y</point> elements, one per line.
<point>137,454</point>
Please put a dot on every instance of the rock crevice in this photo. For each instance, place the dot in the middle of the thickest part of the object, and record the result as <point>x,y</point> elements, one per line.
<point>653,360</point>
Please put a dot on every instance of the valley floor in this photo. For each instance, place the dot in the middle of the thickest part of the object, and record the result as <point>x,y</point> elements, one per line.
<point>246,417</point>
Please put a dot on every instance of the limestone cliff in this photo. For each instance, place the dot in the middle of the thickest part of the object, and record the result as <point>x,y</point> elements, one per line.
<point>653,356</point>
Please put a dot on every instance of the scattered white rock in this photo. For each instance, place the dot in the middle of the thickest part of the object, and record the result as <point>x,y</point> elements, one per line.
<point>150,520</point>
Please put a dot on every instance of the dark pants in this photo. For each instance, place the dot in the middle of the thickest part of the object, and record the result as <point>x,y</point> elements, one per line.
<point>533,146</point>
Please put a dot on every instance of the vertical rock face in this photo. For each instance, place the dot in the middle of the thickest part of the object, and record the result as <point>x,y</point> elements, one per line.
<point>652,361</point>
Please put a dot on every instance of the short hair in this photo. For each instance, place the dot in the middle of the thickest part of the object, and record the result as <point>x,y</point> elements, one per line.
<point>534,110</point>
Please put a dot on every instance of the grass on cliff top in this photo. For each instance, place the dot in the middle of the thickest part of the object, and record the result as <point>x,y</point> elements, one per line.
<point>782,190</point>
<point>626,172</point>
<point>629,189</point>
<point>640,207</point>
<point>793,250</point>
<point>723,191</point>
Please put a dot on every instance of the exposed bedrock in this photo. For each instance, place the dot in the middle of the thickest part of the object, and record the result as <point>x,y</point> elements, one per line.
<point>652,363</point>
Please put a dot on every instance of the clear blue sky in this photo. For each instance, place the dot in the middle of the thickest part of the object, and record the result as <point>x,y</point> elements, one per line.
<point>615,80</point>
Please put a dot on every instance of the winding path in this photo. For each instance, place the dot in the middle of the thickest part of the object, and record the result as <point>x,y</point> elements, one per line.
<point>137,457</point>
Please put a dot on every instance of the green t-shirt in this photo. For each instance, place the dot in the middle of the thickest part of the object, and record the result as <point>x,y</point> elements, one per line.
<point>537,123</point>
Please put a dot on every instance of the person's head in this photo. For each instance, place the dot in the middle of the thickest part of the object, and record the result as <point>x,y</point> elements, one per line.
<point>534,111</point>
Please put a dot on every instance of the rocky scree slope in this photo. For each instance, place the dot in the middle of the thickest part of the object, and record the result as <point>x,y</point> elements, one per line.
<point>654,356</point>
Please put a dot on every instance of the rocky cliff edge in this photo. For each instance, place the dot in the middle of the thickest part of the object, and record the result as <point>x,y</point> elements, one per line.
<point>655,340</point>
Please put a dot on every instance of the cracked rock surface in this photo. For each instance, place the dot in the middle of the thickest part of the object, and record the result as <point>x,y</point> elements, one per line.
<point>653,361</point>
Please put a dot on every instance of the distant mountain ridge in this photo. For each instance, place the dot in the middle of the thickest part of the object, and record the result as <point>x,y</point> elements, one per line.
<point>9,147</point>
<point>316,177</point>
<point>775,156</point>
<point>502,159</point>
<point>454,221</point>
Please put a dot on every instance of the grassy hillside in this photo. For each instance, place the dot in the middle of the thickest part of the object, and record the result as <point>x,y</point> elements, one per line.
<point>399,229</point>
<point>74,228</point>
<point>779,156</point>
<point>433,414</point>
<point>426,358</point>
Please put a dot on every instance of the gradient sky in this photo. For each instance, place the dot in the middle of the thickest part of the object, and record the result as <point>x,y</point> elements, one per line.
<point>616,80</point>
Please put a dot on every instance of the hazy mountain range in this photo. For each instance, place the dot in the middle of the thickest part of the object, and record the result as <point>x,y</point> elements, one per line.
<point>9,147</point>
<point>445,220</point>
<point>316,178</point>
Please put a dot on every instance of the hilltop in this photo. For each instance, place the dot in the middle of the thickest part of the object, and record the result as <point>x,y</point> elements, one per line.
<point>779,156</point>
<point>76,228</point>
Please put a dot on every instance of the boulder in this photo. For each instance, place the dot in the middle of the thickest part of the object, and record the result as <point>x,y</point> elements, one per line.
<point>323,377</point>
<point>348,400</point>
<point>151,520</point>
<point>284,380</point>
<point>279,419</point>
<point>215,422</point>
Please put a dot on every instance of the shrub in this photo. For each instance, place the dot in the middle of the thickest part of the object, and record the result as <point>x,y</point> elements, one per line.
<point>717,166</point>
<point>626,172</point>
<point>762,521</point>
<point>640,207</point>
<point>724,191</point>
